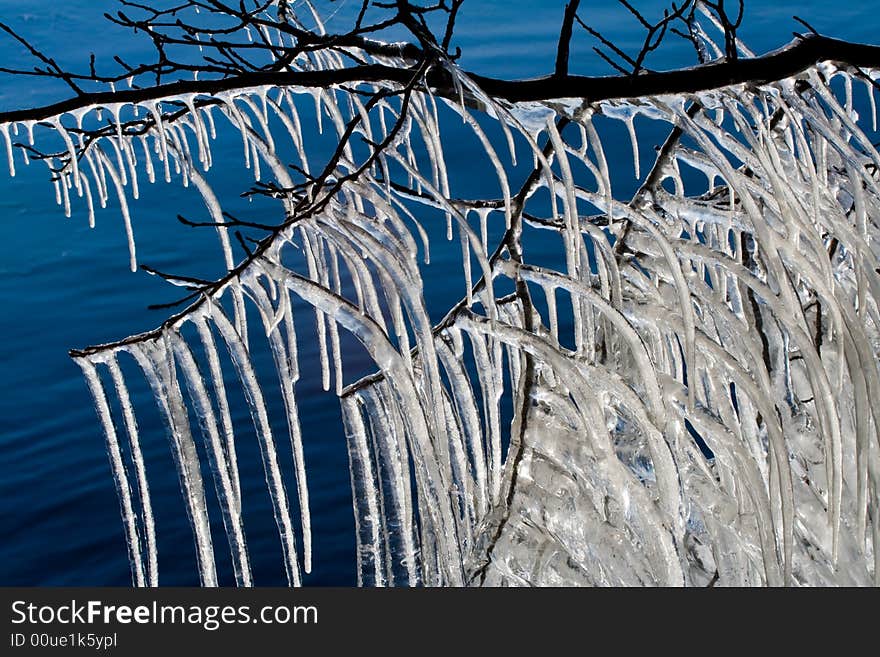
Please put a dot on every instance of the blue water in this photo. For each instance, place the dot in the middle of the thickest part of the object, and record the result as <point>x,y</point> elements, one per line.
<point>63,285</point>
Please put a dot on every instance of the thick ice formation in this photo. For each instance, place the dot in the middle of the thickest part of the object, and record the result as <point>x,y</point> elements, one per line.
<point>690,383</point>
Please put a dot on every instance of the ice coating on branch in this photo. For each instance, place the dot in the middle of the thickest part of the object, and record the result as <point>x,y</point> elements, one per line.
<point>680,395</point>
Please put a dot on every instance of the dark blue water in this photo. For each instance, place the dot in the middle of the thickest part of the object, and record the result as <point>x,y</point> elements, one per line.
<point>63,285</point>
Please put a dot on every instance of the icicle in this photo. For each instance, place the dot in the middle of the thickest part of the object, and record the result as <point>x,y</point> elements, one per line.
<point>870,89</point>
<point>466,262</point>
<point>491,393</point>
<point>282,361</point>
<point>315,274</point>
<point>392,457</point>
<point>89,202</point>
<point>262,117</point>
<point>631,127</point>
<point>216,375</point>
<point>123,205</point>
<point>292,125</point>
<point>571,232</point>
<point>257,405</point>
<point>115,110</point>
<point>605,177</point>
<point>500,171</point>
<point>334,329</point>
<point>177,149</point>
<point>127,147</point>
<point>199,130</point>
<point>152,569</point>
<point>71,152</point>
<point>158,367</point>
<point>148,161</point>
<point>550,295</point>
<point>120,163</point>
<point>848,90</point>
<point>317,95</point>
<point>120,476</point>
<point>229,500</point>
<point>4,129</point>
<point>161,141</point>
<point>465,401</point>
<point>57,184</point>
<point>483,214</point>
<point>97,170</point>
<point>64,183</point>
<point>363,487</point>
<point>210,117</point>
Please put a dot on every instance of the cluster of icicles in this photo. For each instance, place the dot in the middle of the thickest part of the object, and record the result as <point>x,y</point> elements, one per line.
<point>698,410</point>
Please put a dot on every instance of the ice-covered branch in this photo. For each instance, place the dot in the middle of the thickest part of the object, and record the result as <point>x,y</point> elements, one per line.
<point>680,396</point>
<point>802,53</point>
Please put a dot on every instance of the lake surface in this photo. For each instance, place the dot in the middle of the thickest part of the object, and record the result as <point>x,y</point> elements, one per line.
<point>63,285</point>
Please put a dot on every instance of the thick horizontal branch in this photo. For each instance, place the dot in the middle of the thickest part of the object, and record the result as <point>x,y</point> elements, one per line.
<point>785,62</point>
<point>793,58</point>
<point>323,78</point>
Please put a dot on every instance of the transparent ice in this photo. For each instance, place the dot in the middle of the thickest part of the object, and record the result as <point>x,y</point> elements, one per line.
<point>691,385</point>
